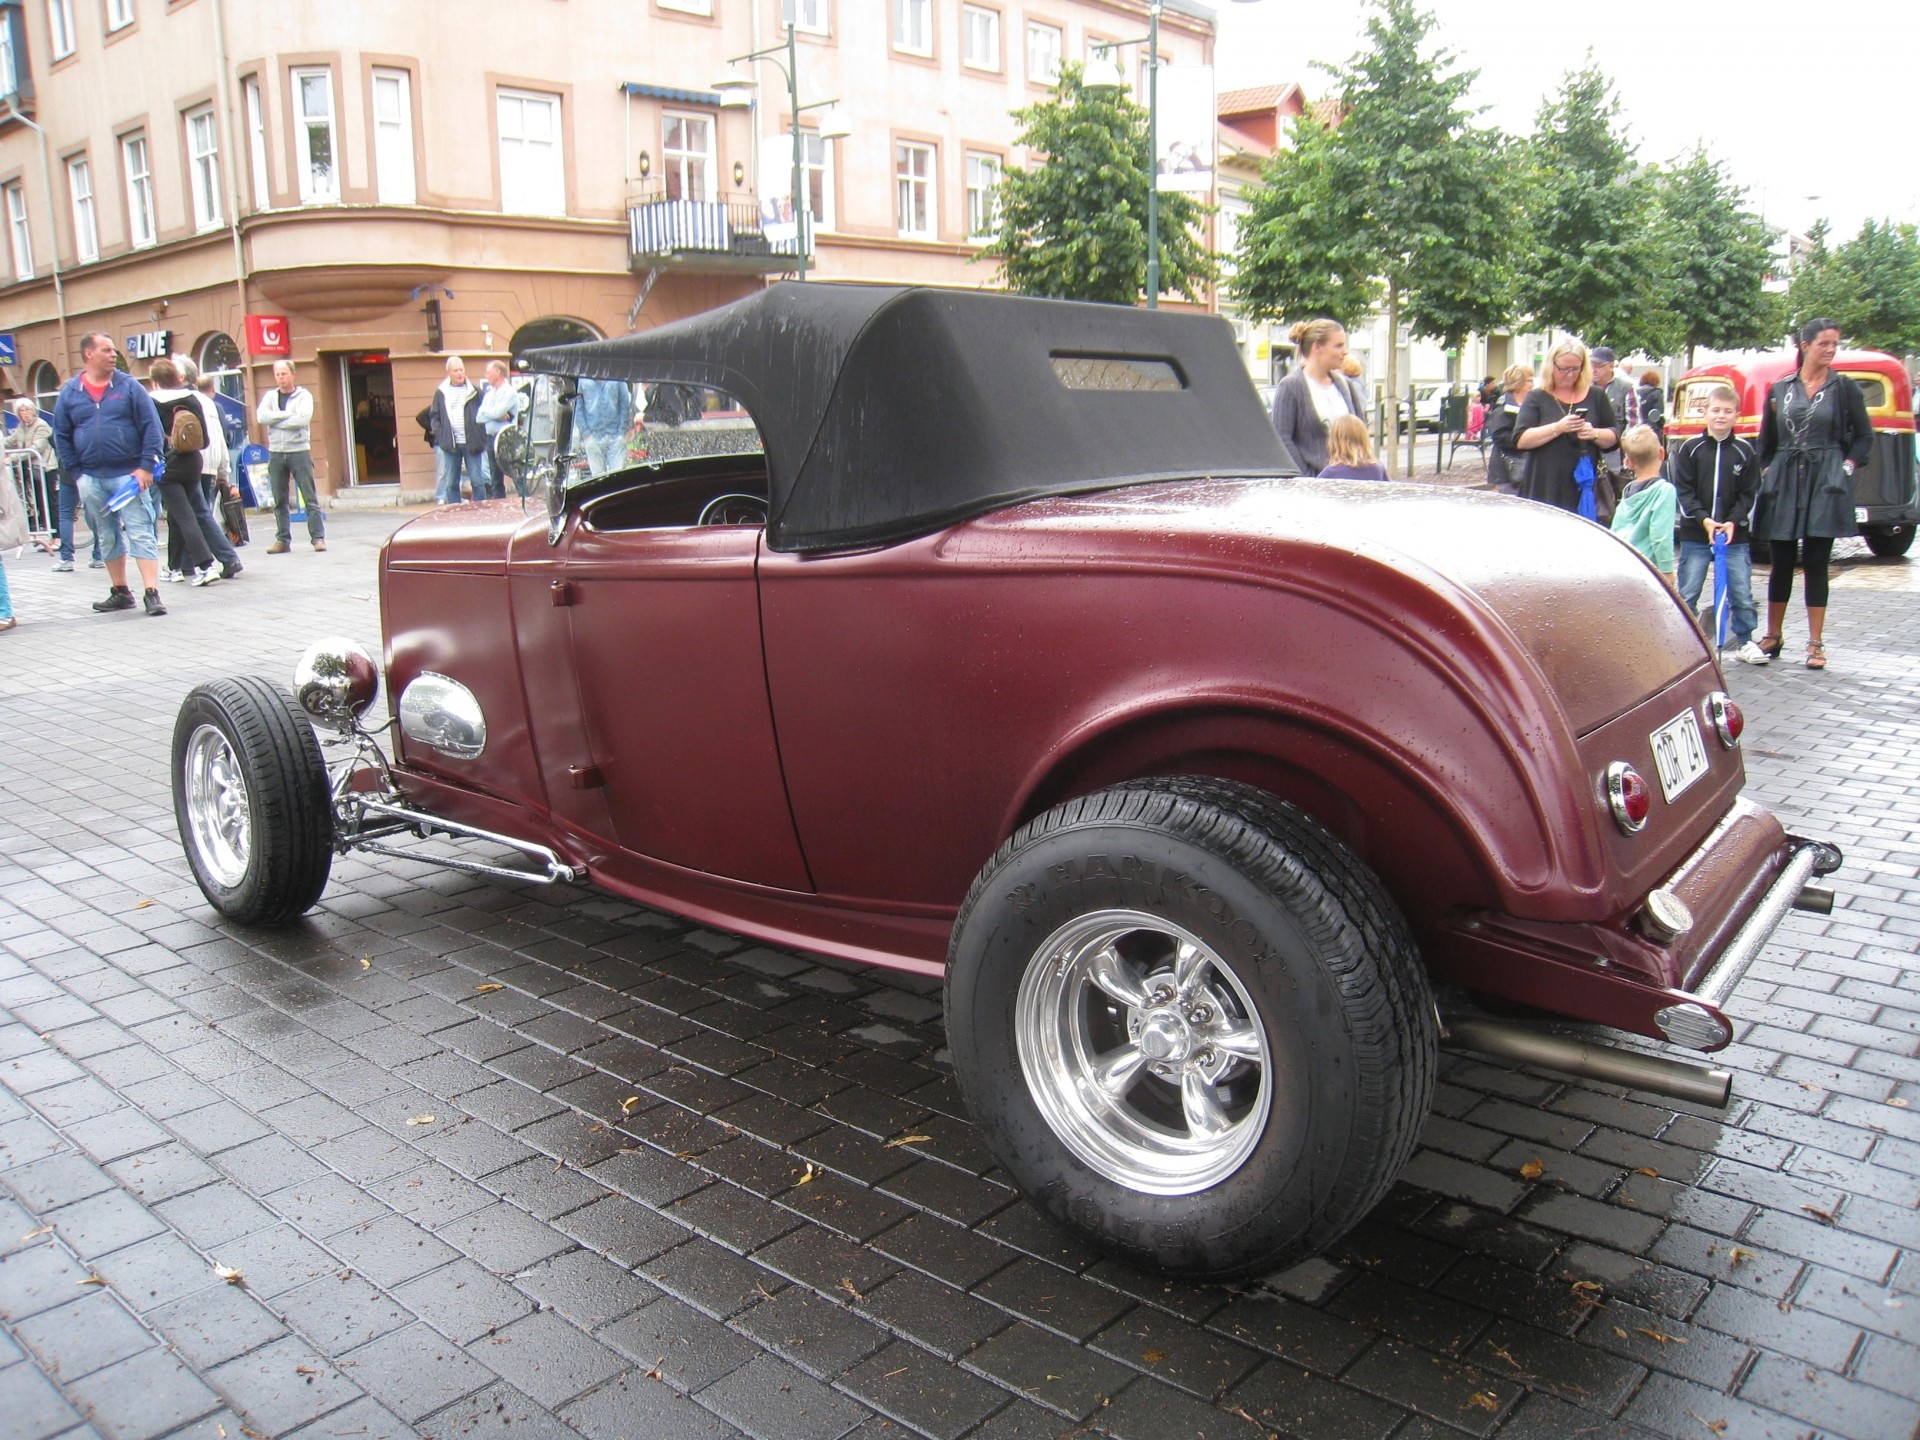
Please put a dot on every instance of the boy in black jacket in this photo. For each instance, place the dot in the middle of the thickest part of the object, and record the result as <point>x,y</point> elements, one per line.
<point>1717,477</point>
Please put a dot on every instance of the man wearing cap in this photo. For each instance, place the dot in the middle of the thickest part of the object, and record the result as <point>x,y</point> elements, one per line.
<point>1621,393</point>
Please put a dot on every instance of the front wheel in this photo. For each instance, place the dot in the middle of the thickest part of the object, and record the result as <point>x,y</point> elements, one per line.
<point>1191,1025</point>
<point>1889,542</point>
<point>251,800</point>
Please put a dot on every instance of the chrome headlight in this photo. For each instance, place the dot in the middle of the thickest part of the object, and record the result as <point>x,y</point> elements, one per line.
<point>336,680</point>
<point>443,715</point>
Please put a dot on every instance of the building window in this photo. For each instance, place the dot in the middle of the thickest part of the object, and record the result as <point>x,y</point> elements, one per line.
<point>119,15</point>
<point>808,15</point>
<point>690,7</point>
<point>393,136</point>
<point>60,27</point>
<point>533,176</point>
<point>816,158</point>
<point>686,147</point>
<point>44,381</point>
<point>980,37</point>
<point>86,234</point>
<point>319,173</point>
<point>983,195</point>
<point>1044,49</point>
<point>20,233</point>
<point>913,185</point>
<point>141,230</point>
<point>203,168</point>
<point>256,141</point>
<point>9,58</point>
<point>913,26</point>
<point>219,357</point>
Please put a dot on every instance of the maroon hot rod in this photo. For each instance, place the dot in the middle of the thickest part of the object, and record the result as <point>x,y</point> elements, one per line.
<point>994,638</point>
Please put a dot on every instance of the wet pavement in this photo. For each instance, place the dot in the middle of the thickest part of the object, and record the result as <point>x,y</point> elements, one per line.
<point>452,1157</point>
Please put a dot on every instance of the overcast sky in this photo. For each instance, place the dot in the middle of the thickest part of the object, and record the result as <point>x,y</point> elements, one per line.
<point>1799,101</point>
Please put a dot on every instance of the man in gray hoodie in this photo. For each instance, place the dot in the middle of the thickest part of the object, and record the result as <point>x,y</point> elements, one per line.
<point>286,414</point>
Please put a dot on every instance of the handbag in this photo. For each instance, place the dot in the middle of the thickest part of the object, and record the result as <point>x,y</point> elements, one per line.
<point>233,515</point>
<point>13,513</point>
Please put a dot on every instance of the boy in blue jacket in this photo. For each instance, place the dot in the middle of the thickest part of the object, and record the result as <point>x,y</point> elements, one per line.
<point>1716,478</point>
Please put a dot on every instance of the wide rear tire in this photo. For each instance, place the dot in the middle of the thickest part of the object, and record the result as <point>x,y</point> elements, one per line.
<point>1889,542</point>
<point>250,797</point>
<point>1191,1025</point>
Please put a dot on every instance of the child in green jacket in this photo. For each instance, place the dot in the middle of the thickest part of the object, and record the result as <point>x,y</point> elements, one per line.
<point>1644,517</point>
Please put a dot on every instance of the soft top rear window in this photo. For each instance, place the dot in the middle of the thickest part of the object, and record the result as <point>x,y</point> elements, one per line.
<point>1116,372</point>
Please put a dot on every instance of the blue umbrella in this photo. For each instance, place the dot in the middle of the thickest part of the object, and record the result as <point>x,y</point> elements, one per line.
<point>1583,476</point>
<point>1720,588</point>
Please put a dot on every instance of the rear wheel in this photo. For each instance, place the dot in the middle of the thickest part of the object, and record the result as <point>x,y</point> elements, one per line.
<point>251,800</point>
<point>1192,1026</point>
<point>1889,542</point>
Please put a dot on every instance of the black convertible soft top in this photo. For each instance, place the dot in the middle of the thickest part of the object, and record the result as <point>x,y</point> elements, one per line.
<point>892,412</point>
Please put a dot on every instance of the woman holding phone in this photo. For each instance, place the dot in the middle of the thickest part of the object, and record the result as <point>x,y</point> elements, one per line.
<point>1563,419</point>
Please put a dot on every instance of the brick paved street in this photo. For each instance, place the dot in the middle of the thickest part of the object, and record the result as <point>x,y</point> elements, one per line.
<point>455,1158</point>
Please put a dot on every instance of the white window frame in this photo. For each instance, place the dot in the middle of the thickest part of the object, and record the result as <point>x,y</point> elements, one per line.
<point>86,222</point>
<point>809,17</point>
<point>393,137</point>
<point>256,122</point>
<point>676,162</point>
<point>913,27</point>
<point>136,160</point>
<point>119,15</point>
<point>1042,69</point>
<point>913,189</point>
<point>60,33</point>
<point>977,21</point>
<point>203,167</point>
<point>983,199</point>
<point>19,232</point>
<point>688,7</point>
<point>533,172</point>
<point>9,62</point>
<point>816,162</point>
<point>316,188</point>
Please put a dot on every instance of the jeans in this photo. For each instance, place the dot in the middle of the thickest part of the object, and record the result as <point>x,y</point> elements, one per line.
<point>1696,564</point>
<point>448,465</point>
<point>605,453</point>
<point>6,595</point>
<point>69,509</point>
<point>296,466</point>
<point>131,531</point>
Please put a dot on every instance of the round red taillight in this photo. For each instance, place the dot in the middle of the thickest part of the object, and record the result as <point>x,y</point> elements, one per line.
<point>1628,797</point>
<point>1724,715</point>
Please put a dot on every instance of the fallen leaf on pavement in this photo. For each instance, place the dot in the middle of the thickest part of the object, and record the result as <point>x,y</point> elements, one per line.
<point>1483,1400</point>
<point>807,1175</point>
<point>488,988</point>
<point>847,1285</point>
<point>36,1234</point>
<point>627,1105</point>
<point>1647,1171</point>
<point>1825,1217</point>
<point>906,1140</point>
<point>421,1120</point>
<point>229,1274</point>
<point>366,963</point>
<point>1532,1170</point>
<point>143,904</point>
<point>1660,1336</point>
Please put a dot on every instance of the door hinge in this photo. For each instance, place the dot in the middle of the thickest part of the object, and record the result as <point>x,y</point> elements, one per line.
<point>585,777</point>
<point>562,593</point>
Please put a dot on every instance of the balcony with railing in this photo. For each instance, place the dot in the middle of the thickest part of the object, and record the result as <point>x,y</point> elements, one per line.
<point>735,232</point>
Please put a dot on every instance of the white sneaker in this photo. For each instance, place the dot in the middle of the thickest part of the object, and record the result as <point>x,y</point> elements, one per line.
<point>206,576</point>
<point>173,576</point>
<point>1751,654</point>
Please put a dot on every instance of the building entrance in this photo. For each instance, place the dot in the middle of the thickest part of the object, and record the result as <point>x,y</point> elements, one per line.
<point>373,454</point>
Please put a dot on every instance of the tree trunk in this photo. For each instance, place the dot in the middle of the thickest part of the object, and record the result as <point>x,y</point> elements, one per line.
<point>1392,456</point>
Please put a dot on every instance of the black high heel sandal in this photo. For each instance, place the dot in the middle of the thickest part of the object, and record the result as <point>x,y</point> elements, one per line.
<point>1772,645</point>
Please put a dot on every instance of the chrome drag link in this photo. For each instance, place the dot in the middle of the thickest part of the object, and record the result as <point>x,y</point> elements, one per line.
<point>1532,1046</point>
<point>356,834</point>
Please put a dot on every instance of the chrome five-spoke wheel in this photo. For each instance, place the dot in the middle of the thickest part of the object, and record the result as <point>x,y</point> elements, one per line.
<point>216,805</point>
<point>1144,1052</point>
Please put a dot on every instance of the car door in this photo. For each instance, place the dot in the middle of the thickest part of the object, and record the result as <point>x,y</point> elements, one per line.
<point>666,644</point>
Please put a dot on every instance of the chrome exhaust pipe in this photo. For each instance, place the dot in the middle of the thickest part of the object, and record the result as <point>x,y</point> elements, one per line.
<point>1815,898</point>
<point>1673,1078</point>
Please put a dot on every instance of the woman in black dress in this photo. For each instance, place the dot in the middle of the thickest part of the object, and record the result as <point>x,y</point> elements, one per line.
<point>1564,418</point>
<point>1814,433</point>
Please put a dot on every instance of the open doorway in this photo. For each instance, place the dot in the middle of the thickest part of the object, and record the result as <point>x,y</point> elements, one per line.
<point>373,452</point>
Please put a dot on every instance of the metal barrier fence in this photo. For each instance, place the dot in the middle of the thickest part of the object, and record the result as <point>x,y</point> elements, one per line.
<point>37,491</point>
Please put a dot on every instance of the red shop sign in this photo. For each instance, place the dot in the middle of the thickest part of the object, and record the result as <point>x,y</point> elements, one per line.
<point>268,335</point>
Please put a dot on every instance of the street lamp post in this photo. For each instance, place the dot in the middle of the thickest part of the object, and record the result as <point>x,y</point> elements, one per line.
<point>732,82</point>
<point>53,226</point>
<point>1109,78</point>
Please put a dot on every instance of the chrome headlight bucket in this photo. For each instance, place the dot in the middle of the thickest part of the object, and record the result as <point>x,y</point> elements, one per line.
<point>336,680</point>
<point>443,715</point>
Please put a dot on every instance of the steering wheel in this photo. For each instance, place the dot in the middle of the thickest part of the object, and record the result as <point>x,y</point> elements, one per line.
<point>733,510</point>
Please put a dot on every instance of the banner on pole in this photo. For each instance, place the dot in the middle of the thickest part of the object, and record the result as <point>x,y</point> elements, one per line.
<point>1186,124</point>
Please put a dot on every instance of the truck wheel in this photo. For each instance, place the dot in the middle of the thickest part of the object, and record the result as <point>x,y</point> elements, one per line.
<point>1191,1025</point>
<point>251,799</point>
<point>1890,542</point>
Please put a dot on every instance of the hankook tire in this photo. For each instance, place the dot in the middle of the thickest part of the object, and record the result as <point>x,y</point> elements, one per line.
<point>1192,1025</point>
<point>250,797</point>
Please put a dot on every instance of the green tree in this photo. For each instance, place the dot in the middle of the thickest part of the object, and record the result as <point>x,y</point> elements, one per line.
<point>1593,249</point>
<point>1074,227</point>
<point>1404,197</point>
<point>1719,257</point>
<point>1870,285</point>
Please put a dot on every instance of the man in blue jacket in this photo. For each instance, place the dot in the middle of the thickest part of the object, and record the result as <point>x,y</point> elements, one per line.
<point>106,432</point>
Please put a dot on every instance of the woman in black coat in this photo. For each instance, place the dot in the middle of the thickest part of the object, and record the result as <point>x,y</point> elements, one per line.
<point>1814,433</point>
<point>1315,393</point>
<point>1506,466</point>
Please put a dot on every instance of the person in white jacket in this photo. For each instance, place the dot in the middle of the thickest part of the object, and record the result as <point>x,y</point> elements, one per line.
<point>286,414</point>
